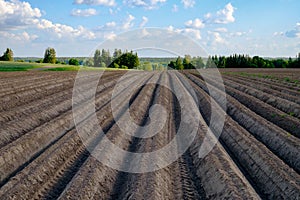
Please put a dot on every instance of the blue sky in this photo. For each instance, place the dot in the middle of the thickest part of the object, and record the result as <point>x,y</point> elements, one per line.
<point>75,27</point>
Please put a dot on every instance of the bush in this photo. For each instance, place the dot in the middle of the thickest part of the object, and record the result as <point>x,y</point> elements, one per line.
<point>73,61</point>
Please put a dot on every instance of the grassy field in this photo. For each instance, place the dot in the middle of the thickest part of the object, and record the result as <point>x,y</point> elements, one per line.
<point>19,66</point>
<point>15,66</point>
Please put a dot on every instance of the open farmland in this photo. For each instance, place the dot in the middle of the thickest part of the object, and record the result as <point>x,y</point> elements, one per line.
<point>257,156</point>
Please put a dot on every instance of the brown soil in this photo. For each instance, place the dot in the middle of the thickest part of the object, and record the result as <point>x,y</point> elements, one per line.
<point>43,157</point>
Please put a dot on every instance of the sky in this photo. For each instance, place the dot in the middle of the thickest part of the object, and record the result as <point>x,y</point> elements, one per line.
<point>267,28</point>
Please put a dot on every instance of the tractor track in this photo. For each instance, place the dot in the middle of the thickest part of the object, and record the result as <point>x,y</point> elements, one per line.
<point>43,156</point>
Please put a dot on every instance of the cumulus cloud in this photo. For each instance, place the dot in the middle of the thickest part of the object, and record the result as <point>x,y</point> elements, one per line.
<point>84,13</point>
<point>16,14</point>
<point>216,37</point>
<point>278,33</point>
<point>188,3</point>
<point>144,21</point>
<point>223,16</point>
<point>145,33</point>
<point>23,37</point>
<point>96,2</point>
<point>110,24</point>
<point>61,30</point>
<point>128,22</point>
<point>295,33</point>
<point>147,4</point>
<point>110,36</point>
<point>197,23</point>
<point>193,33</point>
<point>125,24</point>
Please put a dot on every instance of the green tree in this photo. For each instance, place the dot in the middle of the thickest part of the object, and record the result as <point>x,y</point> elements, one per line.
<point>97,58</point>
<point>221,62</point>
<point>8,55</point>
<point>50,56</point>
<point>73,61</point>
<point>89,62</point>
<point>198,62</point>
<point>127,59</point>
<point>280,63</point>
<point>105,57</point>
<point>117,53</point>
<point>210,63</point>
<point>115,65</point>
<point>147,66</point>
<point>187,62</point>
<point>179,64</point>
<point>172,65</point>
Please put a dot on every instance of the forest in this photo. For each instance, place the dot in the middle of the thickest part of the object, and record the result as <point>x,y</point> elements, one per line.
<point>130,60</point>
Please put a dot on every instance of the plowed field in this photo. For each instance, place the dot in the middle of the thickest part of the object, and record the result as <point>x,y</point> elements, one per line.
<point>42,156</point>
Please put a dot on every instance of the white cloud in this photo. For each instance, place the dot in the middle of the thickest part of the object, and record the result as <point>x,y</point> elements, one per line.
<point>193,33</point>
<point>216,37</point>
<point>147,4</point>
<point>223,16</point>
<point>238,33</point>
<point>84,13</point>
<point>221,30</point>
<point>128,22</point>
<point>23,37</point>
<point>61,30</point>
<point>295,33</point>
<point>278,33</point>
<point>125,24</point>
<point>110,24</point>
<point>197,23</point>
<point>16,14</point>
<point>96,2</point>
<point>188,3</point>
<point>110,36</point>
<point>145,33</point>
<point>170,28</point>
<point>144,21</point>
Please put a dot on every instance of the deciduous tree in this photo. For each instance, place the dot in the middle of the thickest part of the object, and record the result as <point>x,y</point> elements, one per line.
<point>8,55</point>
<point>50,56</point>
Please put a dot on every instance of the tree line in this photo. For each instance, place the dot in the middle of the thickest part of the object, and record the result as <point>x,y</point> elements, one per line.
<point>49,57</point>
<point>245,61</point>
<point>119,59</point>
<point>233,61</point>
<point>130,60</point>
<point>187,63</point>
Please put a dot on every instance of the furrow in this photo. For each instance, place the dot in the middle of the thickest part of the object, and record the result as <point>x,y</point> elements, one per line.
<point>52,179</point>
<point>259,163</point>
<point>279,141</point>
<point>283,88</point>
<point>21,126</point>
<point>95,180</point>
<point>270,113</point>
<point>219,175</point>
<point>278,92</point>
